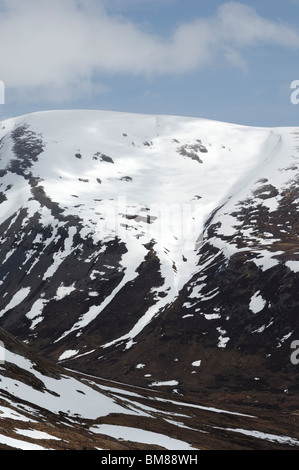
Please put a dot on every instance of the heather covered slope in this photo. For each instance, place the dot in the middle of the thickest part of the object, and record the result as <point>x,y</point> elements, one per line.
<point>43,406</point>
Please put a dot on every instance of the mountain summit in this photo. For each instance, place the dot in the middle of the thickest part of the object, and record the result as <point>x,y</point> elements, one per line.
<point>155,250</point>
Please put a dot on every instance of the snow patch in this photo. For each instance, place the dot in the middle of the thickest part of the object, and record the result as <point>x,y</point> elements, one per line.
<point>16,300</point>
<point>67,354</point>
<point>167,383</point>
<point>196,363</point>
<point>293,265</point>
<point>257,303</point>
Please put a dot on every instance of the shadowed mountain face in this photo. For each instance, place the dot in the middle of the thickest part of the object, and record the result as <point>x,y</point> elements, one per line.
<point>152,250</point>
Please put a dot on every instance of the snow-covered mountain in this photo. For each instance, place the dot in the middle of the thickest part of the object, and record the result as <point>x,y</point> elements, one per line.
<point>152,249</point>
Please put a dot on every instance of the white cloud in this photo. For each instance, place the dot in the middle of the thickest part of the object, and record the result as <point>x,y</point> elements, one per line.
<point>57,48</point>
<point>125,4</point>
<point>243,26</point>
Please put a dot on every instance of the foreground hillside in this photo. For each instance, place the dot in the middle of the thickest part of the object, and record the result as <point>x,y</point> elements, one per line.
<point>43,406</point>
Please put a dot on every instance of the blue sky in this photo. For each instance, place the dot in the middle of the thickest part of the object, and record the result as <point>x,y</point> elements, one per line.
<point>231,61</point>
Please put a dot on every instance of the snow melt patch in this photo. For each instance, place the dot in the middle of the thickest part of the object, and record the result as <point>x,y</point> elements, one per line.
<point>35,313</point>
<point>139,435</point>
<point>293,265</point>
<point>264,436</point>
<point>64,291</point>
<point>19,444</point>
<point>169,383</point>
<point>222,340</point>
<point>71,396</point>
<point>196,363</point>
<point>257,303</point>
<point>67,354</point>
<point>6,412</point>
<point>16,300</point>
<point>34,434</point>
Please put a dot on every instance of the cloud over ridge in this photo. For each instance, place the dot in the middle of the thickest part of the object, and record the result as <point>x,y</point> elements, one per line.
<point>68,46</point>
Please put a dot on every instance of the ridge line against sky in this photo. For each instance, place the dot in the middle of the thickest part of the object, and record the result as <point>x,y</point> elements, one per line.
<point>224,60</point>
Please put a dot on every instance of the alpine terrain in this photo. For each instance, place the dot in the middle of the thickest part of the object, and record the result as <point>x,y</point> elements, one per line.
<point>149,278</point>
